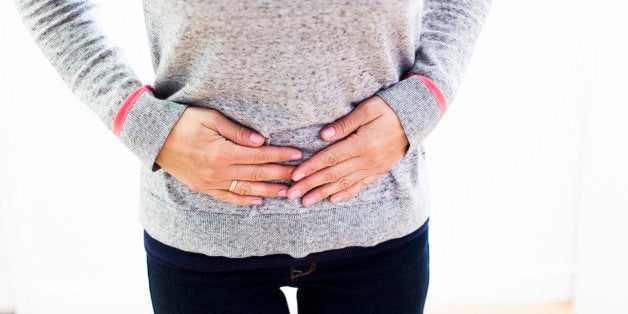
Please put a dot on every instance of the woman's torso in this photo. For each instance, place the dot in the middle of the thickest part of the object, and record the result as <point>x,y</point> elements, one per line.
<point>283,68</point>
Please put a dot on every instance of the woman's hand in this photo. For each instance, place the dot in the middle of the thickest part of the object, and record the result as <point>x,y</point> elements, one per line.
<point>345,168</point>
<point>206,151</point>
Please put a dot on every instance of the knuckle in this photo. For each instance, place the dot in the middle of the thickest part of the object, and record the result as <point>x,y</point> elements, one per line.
<point>241,132</point>
<point>260,157</point>
<point>332,176</point>
<point>344,125</point>
<point>244,188</point>
<point>371,108</point>
<point>331,159</point>
<point>345,184</point>
<point>260,174</point>
<point>229,198</point>
<point>307,186</point>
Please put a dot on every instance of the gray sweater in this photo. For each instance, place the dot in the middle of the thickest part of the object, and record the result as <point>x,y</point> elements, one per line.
<point>284,68</point>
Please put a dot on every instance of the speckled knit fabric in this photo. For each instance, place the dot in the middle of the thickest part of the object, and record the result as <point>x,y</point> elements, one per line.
<point>284,68</point>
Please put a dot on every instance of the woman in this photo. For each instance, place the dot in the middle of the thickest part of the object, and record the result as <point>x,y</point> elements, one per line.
<point>281,142</point>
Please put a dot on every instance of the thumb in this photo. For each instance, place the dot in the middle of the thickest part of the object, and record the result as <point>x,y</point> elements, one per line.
<point>236,133</point>
<point>346,125</point>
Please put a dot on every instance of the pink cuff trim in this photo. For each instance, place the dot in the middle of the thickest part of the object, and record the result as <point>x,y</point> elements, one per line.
<point>124,110</point>
<point>438,95</point>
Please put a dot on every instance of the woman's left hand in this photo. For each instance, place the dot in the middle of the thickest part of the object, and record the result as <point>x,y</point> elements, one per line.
<point>345,168</point>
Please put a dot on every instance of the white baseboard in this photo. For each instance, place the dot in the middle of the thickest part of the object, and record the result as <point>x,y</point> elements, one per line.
<point>500,287</point>
<point>77,299</point>
<point>602,290</point>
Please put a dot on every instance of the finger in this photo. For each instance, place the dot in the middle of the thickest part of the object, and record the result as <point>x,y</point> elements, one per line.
<point>264,172</point>
<point>360,179</point>
<point>328,157</point>
<point>257,188</point>
<point>234,198</point>
<point>236,132</point>
<point>329,174</point>
<point>261,155</point>
<point>364,113</point>
<point>354,189</point>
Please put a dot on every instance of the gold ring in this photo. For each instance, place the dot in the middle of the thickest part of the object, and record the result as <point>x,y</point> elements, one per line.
<point>233,185</point>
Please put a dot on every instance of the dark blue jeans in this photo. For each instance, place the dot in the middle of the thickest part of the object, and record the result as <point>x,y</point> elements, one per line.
<point>391,281</point>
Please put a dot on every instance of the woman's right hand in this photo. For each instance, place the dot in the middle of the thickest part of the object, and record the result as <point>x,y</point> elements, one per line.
<point>206,151</point>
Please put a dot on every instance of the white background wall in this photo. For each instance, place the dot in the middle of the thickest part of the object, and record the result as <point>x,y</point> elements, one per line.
<point>602,275</point>
<point>527,169</point>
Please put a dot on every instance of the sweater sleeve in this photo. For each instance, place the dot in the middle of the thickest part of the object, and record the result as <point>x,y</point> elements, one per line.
<point>70,38</point>
<point>449,29</point>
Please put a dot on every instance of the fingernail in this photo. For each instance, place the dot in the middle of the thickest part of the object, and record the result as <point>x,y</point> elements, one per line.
<point>256,202</point>
<point>296,156</point>
<point>310,200</point>
<point>282,193</point>
<point>336,199</point>
<point>299,176</point>
<point>295,194</point>
<point>329,132</point>
<point>256,138</point>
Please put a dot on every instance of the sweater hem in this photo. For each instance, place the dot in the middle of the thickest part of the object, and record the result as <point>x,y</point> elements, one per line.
<point>256,234</point>
<point>175,258</point>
